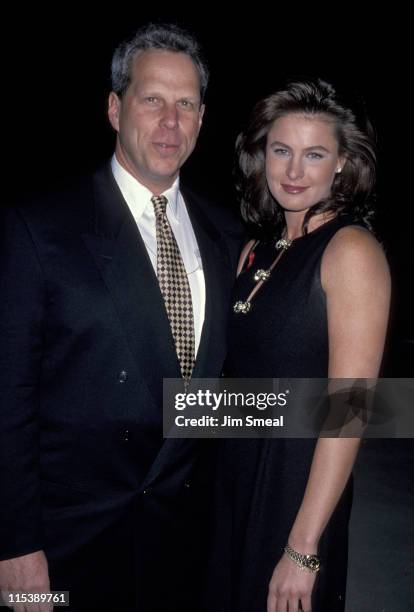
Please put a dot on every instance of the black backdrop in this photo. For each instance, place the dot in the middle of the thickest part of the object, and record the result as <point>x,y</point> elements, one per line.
<point>56,80</point>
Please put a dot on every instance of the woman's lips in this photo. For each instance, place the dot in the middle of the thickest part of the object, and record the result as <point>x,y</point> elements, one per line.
<point>293,188</point>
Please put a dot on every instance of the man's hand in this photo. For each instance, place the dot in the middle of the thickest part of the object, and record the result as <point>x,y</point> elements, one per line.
<point>26,574</point>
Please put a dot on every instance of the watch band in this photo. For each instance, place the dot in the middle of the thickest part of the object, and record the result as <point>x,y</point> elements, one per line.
<point>311,563</point>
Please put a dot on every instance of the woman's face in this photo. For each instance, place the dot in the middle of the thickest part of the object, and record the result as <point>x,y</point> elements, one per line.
<point>301,160</point>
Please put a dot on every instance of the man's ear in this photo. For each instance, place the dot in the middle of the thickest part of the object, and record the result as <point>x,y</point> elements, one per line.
<point>114,106</point>
<point>201,115</point>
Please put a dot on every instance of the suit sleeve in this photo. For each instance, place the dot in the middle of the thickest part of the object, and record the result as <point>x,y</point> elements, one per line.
<point>21,316</point>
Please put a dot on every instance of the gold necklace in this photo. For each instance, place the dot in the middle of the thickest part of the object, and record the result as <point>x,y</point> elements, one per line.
<point>261,276</point>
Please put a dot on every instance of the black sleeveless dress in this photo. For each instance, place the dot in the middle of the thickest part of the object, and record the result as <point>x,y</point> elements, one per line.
<point>261,483</point>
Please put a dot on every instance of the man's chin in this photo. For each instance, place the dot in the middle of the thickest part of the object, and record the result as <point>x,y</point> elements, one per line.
<point>165,173</point>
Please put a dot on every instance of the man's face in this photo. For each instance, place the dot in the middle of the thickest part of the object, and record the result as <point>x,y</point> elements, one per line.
<point>158,118</point>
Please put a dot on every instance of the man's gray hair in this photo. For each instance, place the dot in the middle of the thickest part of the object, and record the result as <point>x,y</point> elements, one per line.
<point>156,36</point>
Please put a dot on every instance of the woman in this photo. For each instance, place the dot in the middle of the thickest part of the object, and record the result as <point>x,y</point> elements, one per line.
<point>311,300</point>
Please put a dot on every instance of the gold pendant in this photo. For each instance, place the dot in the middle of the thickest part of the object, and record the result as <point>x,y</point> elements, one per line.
<point>242,307</point>
<point>283,243</point>
<point>262,275</point>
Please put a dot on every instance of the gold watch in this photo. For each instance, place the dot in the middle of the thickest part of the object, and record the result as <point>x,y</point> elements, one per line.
<point>311,563</point>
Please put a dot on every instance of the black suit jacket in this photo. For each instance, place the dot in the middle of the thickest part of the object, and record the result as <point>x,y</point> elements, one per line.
<point>85,345</point>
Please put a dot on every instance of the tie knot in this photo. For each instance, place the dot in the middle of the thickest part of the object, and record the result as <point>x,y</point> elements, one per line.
<point>160,204</point>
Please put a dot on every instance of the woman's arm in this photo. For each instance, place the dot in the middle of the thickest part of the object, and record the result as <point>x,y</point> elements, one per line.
<point>355,278</point>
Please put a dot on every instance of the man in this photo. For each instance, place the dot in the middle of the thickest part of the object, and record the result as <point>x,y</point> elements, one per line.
<point>106,290</point>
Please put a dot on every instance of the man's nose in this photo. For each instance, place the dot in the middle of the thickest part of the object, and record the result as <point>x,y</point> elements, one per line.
<point>169,117</point>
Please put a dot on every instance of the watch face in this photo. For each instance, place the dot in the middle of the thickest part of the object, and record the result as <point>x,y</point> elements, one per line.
<point>313,563</point>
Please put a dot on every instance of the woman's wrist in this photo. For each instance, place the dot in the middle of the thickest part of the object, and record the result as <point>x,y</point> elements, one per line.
<point>303,544</point>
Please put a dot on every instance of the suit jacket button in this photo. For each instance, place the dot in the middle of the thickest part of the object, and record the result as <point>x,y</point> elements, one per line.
<point>126,435</point>
<point>146,491</point>
<point>122,376</point>
<point>187,484</point>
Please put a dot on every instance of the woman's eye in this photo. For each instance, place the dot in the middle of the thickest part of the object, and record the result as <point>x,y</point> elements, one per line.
<point>280,151</point>
<point>314,155</point>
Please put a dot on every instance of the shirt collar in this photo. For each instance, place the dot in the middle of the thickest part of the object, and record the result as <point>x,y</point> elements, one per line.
<point>137,196</point>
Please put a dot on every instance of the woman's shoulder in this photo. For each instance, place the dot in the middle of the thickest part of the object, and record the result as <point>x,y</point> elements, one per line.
<point>353,254</point>
<point>353,241</point>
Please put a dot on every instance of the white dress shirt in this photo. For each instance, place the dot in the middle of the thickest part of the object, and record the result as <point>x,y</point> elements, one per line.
<point>138,199</point>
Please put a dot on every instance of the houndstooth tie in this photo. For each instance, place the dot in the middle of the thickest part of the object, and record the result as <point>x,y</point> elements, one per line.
<point>175,288</point>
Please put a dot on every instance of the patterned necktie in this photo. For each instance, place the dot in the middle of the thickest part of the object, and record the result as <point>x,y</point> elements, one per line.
<point>175,288</point>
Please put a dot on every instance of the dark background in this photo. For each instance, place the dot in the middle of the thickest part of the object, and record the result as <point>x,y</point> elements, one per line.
<point>56,81</point>
<point>55,77</point>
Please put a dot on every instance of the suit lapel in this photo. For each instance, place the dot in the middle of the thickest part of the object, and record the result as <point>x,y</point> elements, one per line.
<point>121,256</point>
<point>216,278</point>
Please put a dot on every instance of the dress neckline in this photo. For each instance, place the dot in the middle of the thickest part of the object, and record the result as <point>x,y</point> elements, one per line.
<point>316,230</point>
